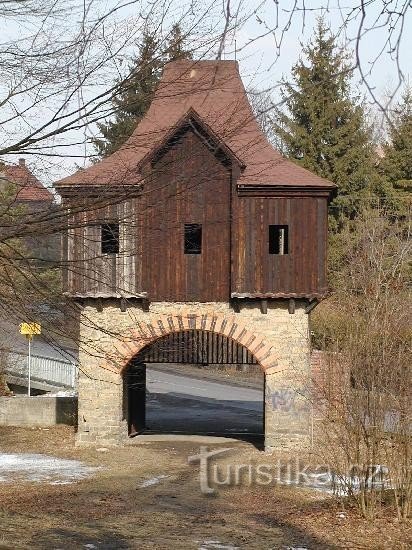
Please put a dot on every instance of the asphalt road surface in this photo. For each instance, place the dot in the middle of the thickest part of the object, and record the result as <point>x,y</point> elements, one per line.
<point>181,404</point>
<point>175,403</point>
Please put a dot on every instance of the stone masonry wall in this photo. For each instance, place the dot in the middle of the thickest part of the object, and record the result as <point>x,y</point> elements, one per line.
<point>42,410</point>
<point>110,338</point>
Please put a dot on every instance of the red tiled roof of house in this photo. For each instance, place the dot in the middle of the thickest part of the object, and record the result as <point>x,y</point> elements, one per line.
<point>29,187</point>
<point>214,90</point>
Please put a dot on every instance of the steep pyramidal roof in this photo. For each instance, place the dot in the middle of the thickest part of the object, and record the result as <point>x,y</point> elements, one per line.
<point>214,91</point>
<point>29,187</point>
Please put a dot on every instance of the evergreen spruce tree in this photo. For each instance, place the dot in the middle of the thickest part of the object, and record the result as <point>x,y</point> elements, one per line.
<point>323,128</point>
<point>396,164</point>
<point>136,92</point>
<point>176,48</point>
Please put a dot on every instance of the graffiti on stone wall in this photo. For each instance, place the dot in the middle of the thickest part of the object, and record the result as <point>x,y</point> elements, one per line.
<point>283,400</point>
<point>287,400</point>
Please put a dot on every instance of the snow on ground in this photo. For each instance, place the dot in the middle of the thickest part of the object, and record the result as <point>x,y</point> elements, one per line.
<point>152,481</point>
<point>215,544</point>
<point>61,393</point>
<point>42,469</point>
<point>340,485</point>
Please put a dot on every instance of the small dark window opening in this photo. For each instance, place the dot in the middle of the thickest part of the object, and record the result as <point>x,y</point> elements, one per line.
<point>110,238</point>
<point>193,238</point>
<point>279,239</point>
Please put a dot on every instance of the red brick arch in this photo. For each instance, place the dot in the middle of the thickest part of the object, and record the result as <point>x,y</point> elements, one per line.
<point>147,332</point>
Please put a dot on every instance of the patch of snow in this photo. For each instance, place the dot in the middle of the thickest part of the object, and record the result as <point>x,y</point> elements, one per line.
<point>102,450</point>
<point>340,485</point>
<point>216,545</point>
<point>42,469</point>
<point>61,393</point>
<point>152,481</point>
<point>91,546</point>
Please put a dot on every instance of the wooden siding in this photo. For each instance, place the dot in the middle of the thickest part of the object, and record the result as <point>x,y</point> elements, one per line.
<point>88,272</point>
<point>188,185</point>
<point>301,272</point>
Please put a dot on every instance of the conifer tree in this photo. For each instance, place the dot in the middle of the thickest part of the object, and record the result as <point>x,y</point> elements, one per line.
<point>176,48</point>
<point>396,163</point>
<point>136,92</point>
<point>323,128</point>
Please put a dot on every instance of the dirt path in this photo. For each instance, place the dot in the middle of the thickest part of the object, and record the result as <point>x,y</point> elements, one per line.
<point>148,497</point>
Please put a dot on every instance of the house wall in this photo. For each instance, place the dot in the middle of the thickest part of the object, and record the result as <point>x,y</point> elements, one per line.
<point>189,184</point>
<point>301,272</point>
<point>88,272</point>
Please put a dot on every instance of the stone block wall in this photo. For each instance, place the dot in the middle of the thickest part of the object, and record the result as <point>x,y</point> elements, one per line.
<point>279,340</point>
<point>39,410</point>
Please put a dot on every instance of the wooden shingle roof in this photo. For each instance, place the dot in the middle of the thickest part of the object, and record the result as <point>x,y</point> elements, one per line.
<point>214,90</point>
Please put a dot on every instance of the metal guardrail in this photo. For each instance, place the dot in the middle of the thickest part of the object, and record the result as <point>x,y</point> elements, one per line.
<point>47,369</point>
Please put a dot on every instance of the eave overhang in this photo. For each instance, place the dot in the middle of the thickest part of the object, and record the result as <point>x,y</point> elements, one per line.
<point>126,190</point>
<point>275,190</point>
<point>280,295</point>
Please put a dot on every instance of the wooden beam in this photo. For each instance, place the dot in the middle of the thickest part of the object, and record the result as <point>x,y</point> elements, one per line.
<point>275,295</point>
<point>80,304</point>
<point>236,305</point>
<point>74,296</point>
<point>264,306</point>
<point>311,305</point>
<point>145,305</point>
<point>123,304</point>
<point>99,305</point>
<point>291,306</point>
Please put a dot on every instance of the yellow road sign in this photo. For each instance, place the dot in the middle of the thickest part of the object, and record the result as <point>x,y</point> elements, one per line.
<point>30,329</point>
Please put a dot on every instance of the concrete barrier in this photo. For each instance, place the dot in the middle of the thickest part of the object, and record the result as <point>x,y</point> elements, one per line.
<point>38,410</point>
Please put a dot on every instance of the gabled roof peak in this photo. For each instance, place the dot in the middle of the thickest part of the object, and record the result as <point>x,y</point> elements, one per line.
<point>29,187</point>
<point>215,92</point>
<point>193,121</point>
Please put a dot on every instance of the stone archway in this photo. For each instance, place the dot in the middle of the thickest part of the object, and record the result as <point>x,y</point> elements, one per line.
<point>146,332</point>
<point>176,387</point>
<point>278,339</point>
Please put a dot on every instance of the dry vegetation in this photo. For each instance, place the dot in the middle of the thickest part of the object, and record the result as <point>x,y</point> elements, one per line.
<point>111,511</point>
<point>366,393</point>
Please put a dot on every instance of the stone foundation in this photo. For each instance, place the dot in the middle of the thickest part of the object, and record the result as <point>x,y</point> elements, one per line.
<point>279,340</point>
